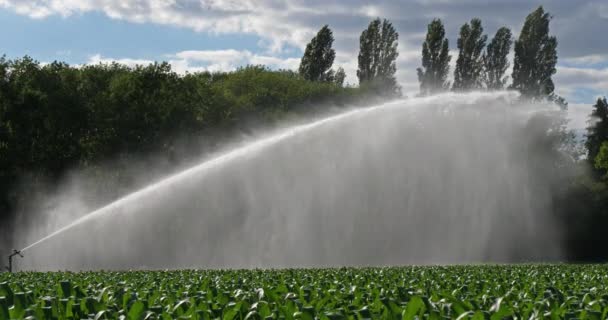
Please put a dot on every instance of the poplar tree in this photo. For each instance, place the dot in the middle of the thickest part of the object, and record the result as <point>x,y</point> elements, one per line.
<point>377,57</point>
<point>319,57</point>
<point>469,65</point>
<point>495,59</point>
<point>535,57</point>
<point>435,60</point>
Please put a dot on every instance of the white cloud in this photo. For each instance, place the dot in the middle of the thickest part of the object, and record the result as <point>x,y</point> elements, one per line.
<point>269,19</point>
<point>96,59</point>
<point>588,60</point>
<point>570,79</point>
<point>293,22</point>
<point>207,60</point>
<point>592,78</point>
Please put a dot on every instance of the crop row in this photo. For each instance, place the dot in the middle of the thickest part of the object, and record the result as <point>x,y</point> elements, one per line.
<point>464,292</point>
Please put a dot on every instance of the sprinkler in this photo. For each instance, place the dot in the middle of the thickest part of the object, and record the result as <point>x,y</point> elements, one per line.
<point>10,259</point>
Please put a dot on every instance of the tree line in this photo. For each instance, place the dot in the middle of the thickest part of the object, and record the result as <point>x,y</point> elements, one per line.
<point>480,65</point>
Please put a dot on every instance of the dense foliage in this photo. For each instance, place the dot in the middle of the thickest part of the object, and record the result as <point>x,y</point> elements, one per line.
<point>462,292</point>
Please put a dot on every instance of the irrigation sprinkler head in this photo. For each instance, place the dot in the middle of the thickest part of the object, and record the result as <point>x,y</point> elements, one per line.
<point>16,252</point>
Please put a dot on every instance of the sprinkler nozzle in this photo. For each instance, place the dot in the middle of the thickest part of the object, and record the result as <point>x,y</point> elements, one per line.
<point>16,252</point>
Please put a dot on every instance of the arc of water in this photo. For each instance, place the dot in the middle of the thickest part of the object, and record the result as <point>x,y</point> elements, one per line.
<point>207,165</point>
<point>261,144</point>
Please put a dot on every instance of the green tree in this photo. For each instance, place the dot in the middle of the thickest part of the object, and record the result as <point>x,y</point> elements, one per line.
<point>535,57</point>
<point>339,77</point>
<point>601,160</point>
<point>597,133</point>
<point>469,65</point>
<point>495,59</point>
<point>435,60</point>
<point>319,57</point>
<point>377,57</point>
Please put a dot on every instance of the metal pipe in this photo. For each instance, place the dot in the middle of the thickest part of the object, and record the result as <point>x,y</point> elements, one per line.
<point>10,259</point>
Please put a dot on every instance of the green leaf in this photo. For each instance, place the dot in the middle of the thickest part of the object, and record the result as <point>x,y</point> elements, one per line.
<point>100,315</point>
<point>458,305</point>
<point>464,315</point>
<point>478,316</point>
<point>231,311</point>
<point>252,315</point>
<point>413,308</point>
<point>137,311</point>
<point>262,308</point>
<point>181,307</point>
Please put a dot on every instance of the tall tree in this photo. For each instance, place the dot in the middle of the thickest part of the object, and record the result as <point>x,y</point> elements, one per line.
<point>435,60</point>
<point>469,65</point>
<point>597,133</point>
<point>495,59</point>
<point>339,77</point>
<point>377,56</point>
<point>319,57</point>
<point>535,57</point>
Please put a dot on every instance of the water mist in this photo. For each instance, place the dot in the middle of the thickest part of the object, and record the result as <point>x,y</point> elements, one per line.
<point>456,178</point>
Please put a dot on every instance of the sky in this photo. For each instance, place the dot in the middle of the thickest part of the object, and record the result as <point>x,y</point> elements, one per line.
<point>196,35</point>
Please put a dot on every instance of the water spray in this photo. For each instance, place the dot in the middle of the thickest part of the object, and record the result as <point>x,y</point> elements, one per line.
<point>10,259</point>
<point>446,179</point>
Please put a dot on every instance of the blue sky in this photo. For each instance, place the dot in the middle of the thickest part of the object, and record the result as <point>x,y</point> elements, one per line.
<point>198,35</point>
<point>78,37</point>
